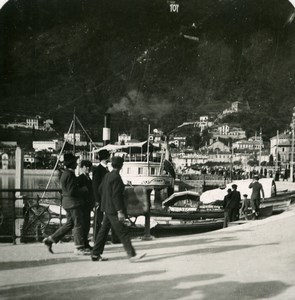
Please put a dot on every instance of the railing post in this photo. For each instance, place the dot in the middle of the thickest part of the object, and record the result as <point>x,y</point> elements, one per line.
<point>147,226</point>
<point>13,219</point>
<point>19,169</point>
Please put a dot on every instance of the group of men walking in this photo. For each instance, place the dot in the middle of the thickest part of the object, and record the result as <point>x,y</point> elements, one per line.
<point>105,194</point>
<point>234,206</point>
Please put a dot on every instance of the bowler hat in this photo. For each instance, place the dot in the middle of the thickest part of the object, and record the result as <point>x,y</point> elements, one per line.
<point>256,177</point>
<point>234,186</point>
<point>69,158</point>
<point>117,162</point>
<point>103,154</point>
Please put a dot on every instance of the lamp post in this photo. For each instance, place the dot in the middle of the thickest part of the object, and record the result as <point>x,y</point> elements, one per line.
<point>292,147</point>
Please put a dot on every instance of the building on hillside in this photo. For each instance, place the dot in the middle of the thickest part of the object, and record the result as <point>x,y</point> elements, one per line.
<point>54,145</point>
<point>205,122</point>
<point>248,145</point>
<point>236,107</point>
<point>178,141</point>
<point>124,138</point>
<point>32,123</point>
<point>226,131</point>
<point>219,156</point>
<point>218,146</point>
<point>70,137</point>
<point>155,137</point>
<point>186,159</point>
<point>280,146</point>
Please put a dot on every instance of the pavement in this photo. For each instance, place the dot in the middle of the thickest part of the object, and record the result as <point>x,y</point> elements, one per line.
<point>250,261</point>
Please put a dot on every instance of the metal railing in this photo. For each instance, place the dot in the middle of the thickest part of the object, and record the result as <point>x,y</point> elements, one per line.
<point>35,214</point>
<point>31,210</point>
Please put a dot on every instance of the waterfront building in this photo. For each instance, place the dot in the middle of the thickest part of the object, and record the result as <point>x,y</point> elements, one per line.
<point>55,145</point>
<point>280,147</point>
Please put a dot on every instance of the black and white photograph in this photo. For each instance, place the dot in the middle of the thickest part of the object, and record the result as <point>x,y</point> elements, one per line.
<point>147,149</point>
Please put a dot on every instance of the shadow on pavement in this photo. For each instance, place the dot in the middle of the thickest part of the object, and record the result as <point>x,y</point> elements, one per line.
<point>202,251</point>
<point>10,265</point>
<point>145,286</point>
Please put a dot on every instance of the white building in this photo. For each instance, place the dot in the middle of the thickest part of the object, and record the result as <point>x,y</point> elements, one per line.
<point>248,145</point>
<point>281,145</point>
<point>124,138</point>
<point>70,137</point>
<point>32,123</point>
<point>55,145</point>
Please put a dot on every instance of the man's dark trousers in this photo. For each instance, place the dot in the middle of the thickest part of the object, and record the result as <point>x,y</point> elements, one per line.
<point>75,221</point>
<point>111,220</point>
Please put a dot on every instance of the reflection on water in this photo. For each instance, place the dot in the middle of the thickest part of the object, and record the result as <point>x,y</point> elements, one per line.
<point>36,181</point>
<point>30,181</point>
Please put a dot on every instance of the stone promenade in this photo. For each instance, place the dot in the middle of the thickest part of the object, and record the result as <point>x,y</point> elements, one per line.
<point>250,261</point>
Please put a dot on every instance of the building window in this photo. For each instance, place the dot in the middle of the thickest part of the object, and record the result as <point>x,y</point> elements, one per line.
<point>140,171</point>
<point>128,171</point>
<point>153,171</point>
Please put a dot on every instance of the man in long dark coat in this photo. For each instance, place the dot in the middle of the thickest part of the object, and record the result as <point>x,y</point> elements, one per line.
<point>113,205</point>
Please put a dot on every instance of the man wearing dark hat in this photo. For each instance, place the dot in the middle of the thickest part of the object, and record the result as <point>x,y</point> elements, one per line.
<point>98,173</point>
<point>111,192</point>
<point>72,203</point>
<point>226,202</point>
<point>257,189</point>
<point>234,204</point>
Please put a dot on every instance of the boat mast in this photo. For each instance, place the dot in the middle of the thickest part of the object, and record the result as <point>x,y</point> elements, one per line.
<point>260,146</point>
<point>277,151</point>
<point>148,150</point>
<point>74,131</point>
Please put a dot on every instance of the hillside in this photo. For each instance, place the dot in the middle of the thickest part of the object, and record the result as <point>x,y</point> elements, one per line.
<point>132,59</point>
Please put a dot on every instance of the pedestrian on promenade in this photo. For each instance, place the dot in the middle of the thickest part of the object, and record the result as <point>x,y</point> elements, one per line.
<point>234,204</point>
<point>244,207</point>
<point>97,175</point>
<point>72,203</point>
<point>111,192</point>
<point>84,180</point>
<point>257,191</point>
<point>226,202</point>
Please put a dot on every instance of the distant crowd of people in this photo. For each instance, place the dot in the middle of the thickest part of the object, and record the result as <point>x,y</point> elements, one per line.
<point>236,207</point>
<point>237,173</point>
<point>104,194</point>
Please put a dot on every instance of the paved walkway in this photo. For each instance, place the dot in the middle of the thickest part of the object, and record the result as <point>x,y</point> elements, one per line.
<point>250,261</point>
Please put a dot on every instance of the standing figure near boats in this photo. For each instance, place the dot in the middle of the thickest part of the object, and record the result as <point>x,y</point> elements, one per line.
<point>235,204</point>
<point>98,174</point>
<point>257,191</point>
<point>72,203</point>
<point>226,202</point>
<point>85,181</point>
<point>244,207</point>
<point>111,192</point>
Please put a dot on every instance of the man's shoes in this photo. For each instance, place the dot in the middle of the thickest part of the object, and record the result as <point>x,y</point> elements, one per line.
<point>137,257</point>
<point>48,243</point>
<point>98,258</point>
<point>82,251</point>
<point>88,247</point>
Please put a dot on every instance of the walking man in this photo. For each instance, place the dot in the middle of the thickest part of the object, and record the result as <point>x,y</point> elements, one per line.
<point>235,203</point>
<point>112,204</point>
<point>72,203</point>
<point>98,173</point>
<point>257,191</point>
<point>85,181</point>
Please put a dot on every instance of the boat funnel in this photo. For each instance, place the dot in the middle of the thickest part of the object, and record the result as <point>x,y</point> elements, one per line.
<point>106,132</point>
